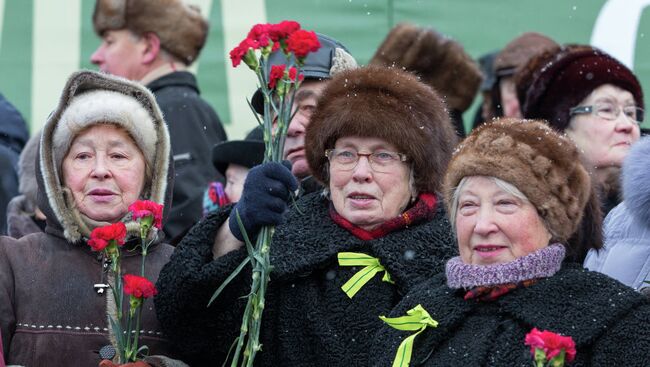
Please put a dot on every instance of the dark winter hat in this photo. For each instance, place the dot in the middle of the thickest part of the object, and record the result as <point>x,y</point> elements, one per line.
<point>181,28</point>
<point>486,64</point>
<point>331,58</point>
<point>389,104</point>
<point>518,51</point>
<point>544,165</point>
<point>437,59</point>
<point>248,152</point>
<point>554,82</point>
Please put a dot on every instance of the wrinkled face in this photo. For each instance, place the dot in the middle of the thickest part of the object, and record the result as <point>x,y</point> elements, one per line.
<point>363,196</point>
<point>604,143</point>
<point>509,100</point>
<point>305,105</point>
<point>120,53</point>
<point>235,177</point>
<point>104,169</point>
<point>494,226</point>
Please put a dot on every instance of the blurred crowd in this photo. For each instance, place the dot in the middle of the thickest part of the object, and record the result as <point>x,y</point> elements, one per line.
<point>387,204</point>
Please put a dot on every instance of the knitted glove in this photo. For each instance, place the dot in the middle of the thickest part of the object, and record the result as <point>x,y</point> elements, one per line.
<point>264,198</point>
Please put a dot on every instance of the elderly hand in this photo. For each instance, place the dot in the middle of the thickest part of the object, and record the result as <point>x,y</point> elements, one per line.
<point>264,198</point>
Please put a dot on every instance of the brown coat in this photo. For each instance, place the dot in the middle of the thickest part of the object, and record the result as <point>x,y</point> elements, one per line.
<point>50,315</point>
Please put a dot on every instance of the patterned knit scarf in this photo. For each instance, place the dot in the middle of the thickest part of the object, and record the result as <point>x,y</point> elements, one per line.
<point>488,282</point>
<point>424,209</point>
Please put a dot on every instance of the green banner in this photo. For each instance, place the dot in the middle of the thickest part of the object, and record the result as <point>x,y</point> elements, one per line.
<point>43,41</point>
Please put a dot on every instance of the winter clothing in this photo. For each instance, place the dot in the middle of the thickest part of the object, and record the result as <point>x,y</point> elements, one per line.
<point>308,319</point>
<point>195,128</point>
<point>264,199</point>
<point>13,130</point>
<point>542,164</point>
<point>626,255</point>
<point>27,170</point>
<point>247,153</point>
<point>517,52</point>
<point>52,314</point>
<point>389,104</point>
<point>20,218</point>
<point>331,58</point>
<point>609,322</point>
<point>8,184</point>
<point>180,27</point>
<point>214,197</point>
<point>438,60</point>
<point>555,81</point>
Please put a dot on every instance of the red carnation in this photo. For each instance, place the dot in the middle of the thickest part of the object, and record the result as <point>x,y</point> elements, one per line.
<point>302,42</point>
<point>102,236</point>
<point>283,29</point>
<point>277,72</point>
<point>240,52</point>
<point>146,208</point>
<point>259,34</point>
<point>292,74</point>
<point>138,287</point>
<point>551,343</point>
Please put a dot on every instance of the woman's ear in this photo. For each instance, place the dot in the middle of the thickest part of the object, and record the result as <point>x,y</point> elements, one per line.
<point>152,49</point>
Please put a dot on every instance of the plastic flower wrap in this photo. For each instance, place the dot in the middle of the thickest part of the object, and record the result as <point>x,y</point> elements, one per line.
<point>278,84</point>
<point>550,349</point>
<point>125,329</point>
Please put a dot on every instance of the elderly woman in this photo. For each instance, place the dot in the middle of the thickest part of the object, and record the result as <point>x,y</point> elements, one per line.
<point>516,191</point>
<point>379,142</point>
<point>104,147</point>
<point>626,255</point>
<point>594,99</point>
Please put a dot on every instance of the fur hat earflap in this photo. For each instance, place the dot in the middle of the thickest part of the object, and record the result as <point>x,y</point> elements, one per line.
<point>181,28</point>
<point>544,165</point>
<point>389,104</point>
<point>636,176</point>
<point>90,98</point>
<point>555,81</point>
<point>438,60</point>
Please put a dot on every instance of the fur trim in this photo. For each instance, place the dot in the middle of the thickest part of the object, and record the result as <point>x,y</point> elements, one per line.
<point>27,169</point>
<point>518,51</point>
<point>553,82</point>
<point>389,104</point>
<point>636,176</point>
<point>544,165</point>
<point>439,61</point>
<point>109,107</point>
<point>83,86</point>
<point>181,28</point>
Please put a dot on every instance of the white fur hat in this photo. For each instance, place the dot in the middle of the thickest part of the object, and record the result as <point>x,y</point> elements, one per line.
<point>110,107</point>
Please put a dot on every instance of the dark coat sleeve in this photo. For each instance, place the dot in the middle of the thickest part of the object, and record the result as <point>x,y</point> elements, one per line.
<point>185,285</point>
<point>7,314</point>
<point>626,343</point>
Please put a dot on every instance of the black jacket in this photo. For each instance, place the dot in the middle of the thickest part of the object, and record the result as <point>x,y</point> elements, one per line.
<point>194,128</point>
<point>308,320</point>
<point>609,322</point>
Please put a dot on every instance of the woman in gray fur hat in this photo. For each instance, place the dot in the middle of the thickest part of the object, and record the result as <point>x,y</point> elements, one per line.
<point>105,146</point>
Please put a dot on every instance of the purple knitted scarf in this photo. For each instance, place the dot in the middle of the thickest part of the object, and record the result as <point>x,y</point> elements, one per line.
<point>539,264</point>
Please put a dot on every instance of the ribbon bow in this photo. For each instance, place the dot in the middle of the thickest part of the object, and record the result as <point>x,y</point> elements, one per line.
<point>358,280</point>
<point>416,319</point>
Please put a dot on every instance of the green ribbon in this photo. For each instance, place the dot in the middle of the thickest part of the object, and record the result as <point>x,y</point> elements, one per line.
<point>416,319</point>
<point>358,280</point>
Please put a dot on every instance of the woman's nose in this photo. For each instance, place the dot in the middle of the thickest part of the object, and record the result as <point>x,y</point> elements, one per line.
<point>101,169</point>
<point>362,171</point>
<point>485,223</point>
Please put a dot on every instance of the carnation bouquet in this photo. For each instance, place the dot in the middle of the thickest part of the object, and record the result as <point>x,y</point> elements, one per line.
<point>278,85</point>
<point>125,327</point>
<point>550,349</point>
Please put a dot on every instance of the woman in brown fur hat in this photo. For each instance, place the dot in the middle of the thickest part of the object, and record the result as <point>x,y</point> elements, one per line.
<point>516,192</point>
<point>594,99</point>
<point>379,142</point>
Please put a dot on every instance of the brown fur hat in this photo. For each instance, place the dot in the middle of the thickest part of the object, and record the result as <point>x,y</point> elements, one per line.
<point>518,51</point>
<point>181,28</point>
<point>555,81</point>
<point>438,60</point>
<point>389,104</point>
<point>544,165</point>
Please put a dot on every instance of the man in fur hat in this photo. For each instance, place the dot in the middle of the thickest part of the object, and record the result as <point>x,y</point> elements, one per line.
<point>153,42</point>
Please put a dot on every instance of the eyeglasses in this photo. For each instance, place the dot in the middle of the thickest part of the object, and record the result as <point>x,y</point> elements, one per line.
<point>380,161</point>
<point>610,111</point>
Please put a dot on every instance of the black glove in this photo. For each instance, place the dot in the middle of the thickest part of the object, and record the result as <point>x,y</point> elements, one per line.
<point>264,198</point>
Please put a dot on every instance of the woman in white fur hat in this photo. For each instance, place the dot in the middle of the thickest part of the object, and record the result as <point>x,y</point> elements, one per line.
<point>105,146</point>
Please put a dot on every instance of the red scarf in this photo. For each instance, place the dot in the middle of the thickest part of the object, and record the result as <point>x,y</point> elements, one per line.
<point>424,209</point>
<point>490,293</point>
